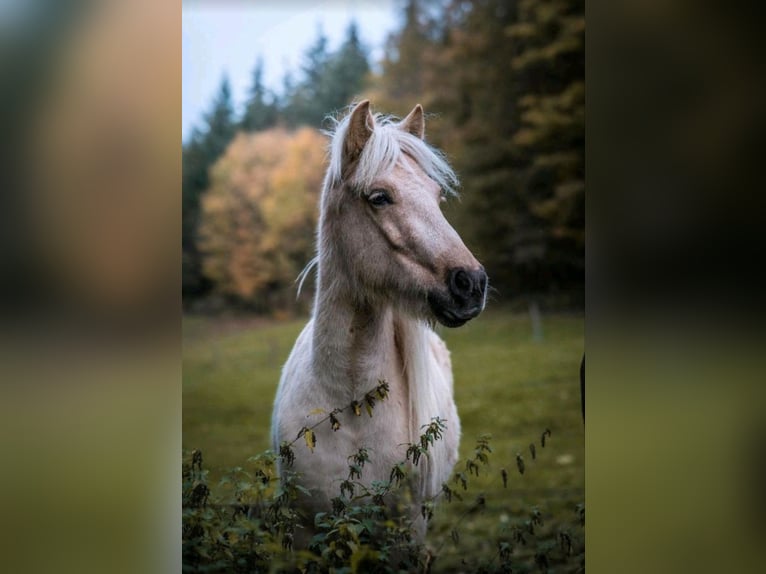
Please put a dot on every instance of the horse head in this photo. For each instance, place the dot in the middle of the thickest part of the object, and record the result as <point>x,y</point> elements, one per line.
<point>382,217</point>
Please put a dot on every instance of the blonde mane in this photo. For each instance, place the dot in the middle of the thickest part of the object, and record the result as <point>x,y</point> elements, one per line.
<point>383,151</point>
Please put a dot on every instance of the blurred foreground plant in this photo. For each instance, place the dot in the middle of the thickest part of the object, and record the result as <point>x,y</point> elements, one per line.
<point>247,522</point>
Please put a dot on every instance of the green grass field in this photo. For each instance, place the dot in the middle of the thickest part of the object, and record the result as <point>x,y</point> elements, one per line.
<point>506,384</point>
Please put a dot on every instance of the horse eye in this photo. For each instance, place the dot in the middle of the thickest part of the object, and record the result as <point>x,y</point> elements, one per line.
<point>379,198</point>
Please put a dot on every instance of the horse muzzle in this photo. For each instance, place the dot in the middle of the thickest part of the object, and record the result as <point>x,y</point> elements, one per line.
<point>463,299</point>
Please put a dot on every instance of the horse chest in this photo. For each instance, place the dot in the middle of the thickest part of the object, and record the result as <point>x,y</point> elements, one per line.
<point>383,431</point>
<point>384,434</point>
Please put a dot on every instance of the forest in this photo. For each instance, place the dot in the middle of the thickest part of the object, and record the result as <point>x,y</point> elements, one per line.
<point>502,84</point>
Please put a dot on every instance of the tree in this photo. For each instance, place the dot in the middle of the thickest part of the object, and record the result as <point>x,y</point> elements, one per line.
<point>194,180</point>
<point>550,68</point>
<point>259,215</point>
<point>330,80</point>
<point>404,60</point>
<point>260,109</point>
<point>202,150</point>
<point>307,102</point>
<point>347,70</point>
<point>220,122</point>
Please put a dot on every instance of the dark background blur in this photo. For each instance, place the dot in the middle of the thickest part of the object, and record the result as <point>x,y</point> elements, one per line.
<point>90,180</point>
<point>91,204</point>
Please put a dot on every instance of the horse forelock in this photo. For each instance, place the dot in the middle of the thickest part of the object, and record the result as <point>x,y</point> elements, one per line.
<point>384,150</point>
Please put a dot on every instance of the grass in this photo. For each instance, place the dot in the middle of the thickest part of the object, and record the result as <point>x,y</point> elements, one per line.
<point>506,384</point>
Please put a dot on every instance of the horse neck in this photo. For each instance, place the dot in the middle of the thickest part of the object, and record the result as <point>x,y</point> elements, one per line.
<point>366,342</point>
<point>353,339</point>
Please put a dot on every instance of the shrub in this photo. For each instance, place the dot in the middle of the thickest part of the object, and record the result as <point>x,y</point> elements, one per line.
<point>247,522</point>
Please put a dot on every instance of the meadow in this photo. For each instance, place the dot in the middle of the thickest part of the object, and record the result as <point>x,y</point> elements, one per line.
<point>508,383</point>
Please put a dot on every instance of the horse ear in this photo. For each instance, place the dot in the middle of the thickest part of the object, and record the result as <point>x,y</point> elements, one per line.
<point>360,126</point>
<point>414,122</point>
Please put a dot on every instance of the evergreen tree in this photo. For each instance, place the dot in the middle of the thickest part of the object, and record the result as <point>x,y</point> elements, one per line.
<point>220,122</point>
<point>347,70</point>
<point>549,67</point>
<point>316,59</point>
<point>203,149</point>
<point>260,109</point>
<point>307,101</point>
<point>194,181</point>
<point>330,80</point>
<point>403,63</point>
<point>284,100</point>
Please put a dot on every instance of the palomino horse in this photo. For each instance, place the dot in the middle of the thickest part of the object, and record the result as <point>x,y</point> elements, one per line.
<point>389,264</point>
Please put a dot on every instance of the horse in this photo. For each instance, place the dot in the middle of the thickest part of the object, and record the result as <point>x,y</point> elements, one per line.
<point>388,267</point>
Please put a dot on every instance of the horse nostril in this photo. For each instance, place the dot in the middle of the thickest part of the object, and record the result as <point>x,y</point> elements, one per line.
<point>461,283</point>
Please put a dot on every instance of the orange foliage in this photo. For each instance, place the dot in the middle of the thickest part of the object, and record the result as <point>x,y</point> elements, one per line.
<point>259,215</point>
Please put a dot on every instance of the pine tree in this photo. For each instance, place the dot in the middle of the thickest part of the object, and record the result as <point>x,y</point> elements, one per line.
<point>260,108</point>
<point>549,66</point>
<point>307,101</point>
<point>203,149</point>
<point>403,62</point>
<point>316,59</point>
<point>220,122</point>
<point>194,181</point>
<point>330,80</point>
<point>348,69</point>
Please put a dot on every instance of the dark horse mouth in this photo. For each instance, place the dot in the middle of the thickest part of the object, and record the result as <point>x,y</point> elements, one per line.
<point>450,317</point>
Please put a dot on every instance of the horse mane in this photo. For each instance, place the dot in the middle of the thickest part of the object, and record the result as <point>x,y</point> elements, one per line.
<point>303,275</point>
<point>424,405</point>
<point>383,151</point>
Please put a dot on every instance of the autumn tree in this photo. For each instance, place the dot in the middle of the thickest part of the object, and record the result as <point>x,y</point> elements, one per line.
<point>328,81</point>
<point>259,215</point>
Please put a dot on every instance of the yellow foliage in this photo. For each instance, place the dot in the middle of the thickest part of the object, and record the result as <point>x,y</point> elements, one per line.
<point>311,439</point>
<point>258,217</point>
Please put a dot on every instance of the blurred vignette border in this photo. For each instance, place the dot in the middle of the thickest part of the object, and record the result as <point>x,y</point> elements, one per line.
<point>90,274</point>
<point>675,427</point>
<point>676,401</point>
